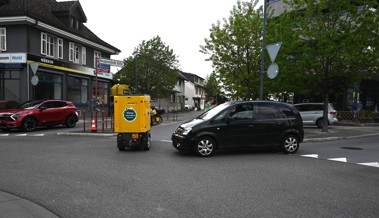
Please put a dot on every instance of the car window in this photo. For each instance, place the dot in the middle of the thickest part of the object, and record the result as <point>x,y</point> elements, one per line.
<point>221,117</point>
<point>58,104</point>
<point>242,112</point>
<point>48,104</point>
<point>286,111</point>
<point>266,111</point>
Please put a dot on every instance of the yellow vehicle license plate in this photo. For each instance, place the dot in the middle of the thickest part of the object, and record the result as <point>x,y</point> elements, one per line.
<point>135,135</point>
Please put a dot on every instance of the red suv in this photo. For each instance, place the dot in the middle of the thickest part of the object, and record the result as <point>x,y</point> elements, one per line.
<point>31,114</point>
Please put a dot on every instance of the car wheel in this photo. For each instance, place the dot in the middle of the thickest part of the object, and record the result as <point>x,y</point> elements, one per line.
<point>319,123</point>
<point>290,144</point>
<point>29,124</point>
<point>70,121</point>
<point>205,146</point>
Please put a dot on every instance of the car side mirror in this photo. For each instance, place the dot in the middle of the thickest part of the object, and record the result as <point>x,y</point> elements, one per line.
<point>228,120</point>
<point>43,107</point>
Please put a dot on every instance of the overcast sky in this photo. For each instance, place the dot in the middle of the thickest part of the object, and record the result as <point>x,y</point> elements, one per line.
<point>181,24</point>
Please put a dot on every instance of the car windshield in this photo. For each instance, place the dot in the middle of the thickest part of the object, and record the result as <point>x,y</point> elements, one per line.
<point>29,105</point>
<point>213,111</point>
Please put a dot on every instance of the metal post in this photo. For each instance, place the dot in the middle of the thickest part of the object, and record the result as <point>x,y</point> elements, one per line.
<point>96,90</point>
<point>263,48</point>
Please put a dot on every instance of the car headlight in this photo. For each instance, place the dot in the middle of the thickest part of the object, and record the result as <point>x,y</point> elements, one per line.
<point>186,131</point>
<point>14,117</point>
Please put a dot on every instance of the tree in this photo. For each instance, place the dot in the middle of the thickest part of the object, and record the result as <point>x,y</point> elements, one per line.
<point>152,69</point>
<point>234,48</point>
<point>213,88</point>
<point>327,45</point>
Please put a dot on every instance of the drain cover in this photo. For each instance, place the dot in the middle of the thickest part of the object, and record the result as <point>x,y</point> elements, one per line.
<point>352,148</point>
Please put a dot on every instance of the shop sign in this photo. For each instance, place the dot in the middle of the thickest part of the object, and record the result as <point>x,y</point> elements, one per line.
<point>12,58</point>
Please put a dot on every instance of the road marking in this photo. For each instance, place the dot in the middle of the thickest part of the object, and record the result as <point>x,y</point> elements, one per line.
<point>20,135</point>
<point>370,164</point>
<point>38,134</point>
<point>166,141</point>
<point>342,159</point>
<point>310,155</point>
<point>4,134</point>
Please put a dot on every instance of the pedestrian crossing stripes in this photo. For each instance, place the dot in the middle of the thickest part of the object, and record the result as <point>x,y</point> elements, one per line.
<point>22,135</point>
<point>342,159</point>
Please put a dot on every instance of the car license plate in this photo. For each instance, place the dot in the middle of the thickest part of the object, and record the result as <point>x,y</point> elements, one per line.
<point>135,136</point>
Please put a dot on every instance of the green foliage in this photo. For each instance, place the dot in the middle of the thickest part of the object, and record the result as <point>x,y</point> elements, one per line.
<point>234,48</point>
<point>327,45</point>
<point>212,86</point>
<point>152,69</point>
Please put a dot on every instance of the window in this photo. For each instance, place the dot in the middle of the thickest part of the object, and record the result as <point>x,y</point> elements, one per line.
<point>3,39</point>
<point>84,55</point>
<point>48,87</point>
<point>71,52</point>
<point>43,43</point>
<point>97,54</point>
<point>60,48</point>
<point>77,91</point>
<point>242,112</point>
<point>51,46</point>
<point>286,111</point>
<point>77,53</point>
<point>267,111</point>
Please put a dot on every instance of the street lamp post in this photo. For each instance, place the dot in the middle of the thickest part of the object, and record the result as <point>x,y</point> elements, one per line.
<point>263,49</point>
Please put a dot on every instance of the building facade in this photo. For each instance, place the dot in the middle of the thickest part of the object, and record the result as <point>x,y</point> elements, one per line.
<point>194,91</point>
<point>46,52</point>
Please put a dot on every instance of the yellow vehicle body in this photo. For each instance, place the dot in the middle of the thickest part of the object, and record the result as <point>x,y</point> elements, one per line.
<point>132,114</point>
<point>119,89</point>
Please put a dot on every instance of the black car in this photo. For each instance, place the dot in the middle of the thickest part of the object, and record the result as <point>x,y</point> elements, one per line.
<point>242,124</point>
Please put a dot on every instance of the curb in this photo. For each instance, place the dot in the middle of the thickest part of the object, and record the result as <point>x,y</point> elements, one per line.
<point>338,138</point>
<point>14,206</point>
<point>86,134</point>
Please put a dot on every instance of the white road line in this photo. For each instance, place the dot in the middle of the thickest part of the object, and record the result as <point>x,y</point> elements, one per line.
<point>166,141</point>
<point>370,164</point>
<point>342,159</point>
<point>38,134</point>
<point>310,155</point>
<point>4,135</point>
<point>20,135</point>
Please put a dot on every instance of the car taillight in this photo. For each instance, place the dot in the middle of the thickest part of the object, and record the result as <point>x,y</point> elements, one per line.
<point>333,113</point>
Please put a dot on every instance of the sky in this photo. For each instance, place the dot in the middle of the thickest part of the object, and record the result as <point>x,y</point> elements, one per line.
<point>181,24</point>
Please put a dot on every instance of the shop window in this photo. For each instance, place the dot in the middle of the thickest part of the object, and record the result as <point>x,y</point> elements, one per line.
<point>48,87</point>
<point>10,86</point>
<point>77,90</point>
<point>3,39</point>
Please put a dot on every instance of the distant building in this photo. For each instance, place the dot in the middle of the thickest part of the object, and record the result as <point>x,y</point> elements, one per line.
<point>52,36</point>
<point>194,91</point>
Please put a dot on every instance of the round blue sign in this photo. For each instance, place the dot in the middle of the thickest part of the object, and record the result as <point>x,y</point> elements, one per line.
<point>129,114</point>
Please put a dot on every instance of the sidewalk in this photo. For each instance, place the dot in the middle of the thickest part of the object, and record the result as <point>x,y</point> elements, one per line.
<point>15,207</point>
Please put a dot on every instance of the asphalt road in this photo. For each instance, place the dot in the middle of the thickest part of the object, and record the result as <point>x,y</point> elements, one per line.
<point>89,177</point>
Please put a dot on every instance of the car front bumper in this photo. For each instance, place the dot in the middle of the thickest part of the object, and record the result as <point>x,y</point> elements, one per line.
<point>181,143</point>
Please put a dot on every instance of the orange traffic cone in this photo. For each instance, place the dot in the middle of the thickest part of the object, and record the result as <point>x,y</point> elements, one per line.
<point>93,126</point>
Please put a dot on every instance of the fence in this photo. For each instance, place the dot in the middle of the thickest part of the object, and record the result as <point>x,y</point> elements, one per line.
<point>358,117</point>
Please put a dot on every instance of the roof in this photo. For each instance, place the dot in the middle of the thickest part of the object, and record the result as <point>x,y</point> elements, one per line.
<point>46,11</point>
<point>191,76</point>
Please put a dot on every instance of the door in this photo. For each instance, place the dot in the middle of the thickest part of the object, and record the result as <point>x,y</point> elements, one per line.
<point>238,130</point>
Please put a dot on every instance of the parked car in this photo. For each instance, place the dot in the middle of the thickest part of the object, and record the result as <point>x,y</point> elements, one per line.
<point>189,107</point>
<point>312,113</point>
<point>241,124</point>
<point>28,115</point>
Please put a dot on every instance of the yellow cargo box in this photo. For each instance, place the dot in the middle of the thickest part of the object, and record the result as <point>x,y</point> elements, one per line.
<point>132,114</point>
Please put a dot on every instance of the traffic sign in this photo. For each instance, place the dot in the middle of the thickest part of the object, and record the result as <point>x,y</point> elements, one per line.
<point>111,62</point>
<point>272,71</point>
<point>273,50</point>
